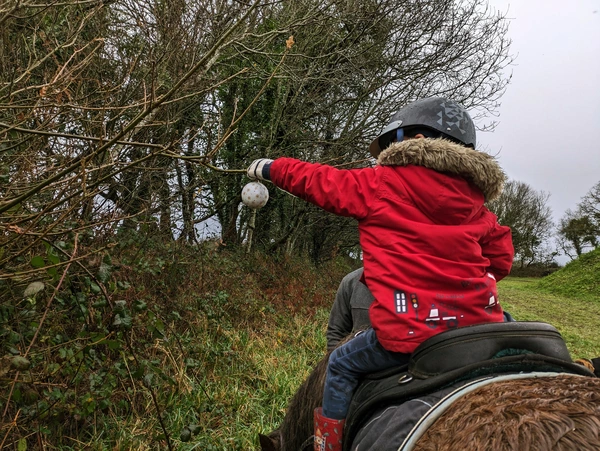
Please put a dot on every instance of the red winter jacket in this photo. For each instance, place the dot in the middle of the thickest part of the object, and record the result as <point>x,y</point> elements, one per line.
<point>432,251</point>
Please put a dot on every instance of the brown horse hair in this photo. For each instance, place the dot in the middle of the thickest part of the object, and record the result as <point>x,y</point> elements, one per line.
<point>559,413</point>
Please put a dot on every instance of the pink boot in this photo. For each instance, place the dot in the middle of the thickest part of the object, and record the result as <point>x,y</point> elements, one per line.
<point>328,432</point>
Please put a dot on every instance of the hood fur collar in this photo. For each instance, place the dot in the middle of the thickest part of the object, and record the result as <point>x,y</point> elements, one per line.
<point>442,155</point>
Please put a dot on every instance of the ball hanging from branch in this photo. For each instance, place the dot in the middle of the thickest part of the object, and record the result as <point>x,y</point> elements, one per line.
<point>255,195</point>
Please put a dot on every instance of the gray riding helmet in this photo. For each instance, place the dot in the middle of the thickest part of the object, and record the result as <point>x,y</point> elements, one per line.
<point>438,113</point>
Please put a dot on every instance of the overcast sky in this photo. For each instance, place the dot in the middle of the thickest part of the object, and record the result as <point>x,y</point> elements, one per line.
<point>548,132</point>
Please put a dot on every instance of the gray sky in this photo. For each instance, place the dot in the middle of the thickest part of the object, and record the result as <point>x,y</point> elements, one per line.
<point>548,132</point>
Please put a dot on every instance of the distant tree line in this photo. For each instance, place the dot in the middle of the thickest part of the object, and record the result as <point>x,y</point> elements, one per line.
<point>527,213</point>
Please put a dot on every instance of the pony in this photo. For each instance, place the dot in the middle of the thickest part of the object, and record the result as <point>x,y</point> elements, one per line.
<point>515,389</point>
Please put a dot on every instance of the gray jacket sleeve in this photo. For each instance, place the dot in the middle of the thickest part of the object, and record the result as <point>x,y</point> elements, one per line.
<point>350,309</point>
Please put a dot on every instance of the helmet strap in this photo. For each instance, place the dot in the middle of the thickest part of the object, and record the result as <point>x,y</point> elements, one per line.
<point>399,135</point>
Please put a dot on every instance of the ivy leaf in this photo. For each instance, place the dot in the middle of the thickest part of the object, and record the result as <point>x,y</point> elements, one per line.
<point>20,363</point>
<point>104,272</point>
<point>38,262</point>
<point>100,303</point>
<point>139,305</point>
<point>185,435</point>
<point>123,284</point>
<point>113,345</point>
<point>122,322</point>
<point>148,379</point>
<point>33,288</point>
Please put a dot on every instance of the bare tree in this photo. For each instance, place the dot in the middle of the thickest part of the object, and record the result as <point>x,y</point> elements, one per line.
<point>590,206</point>
<point>91,99</point>
<point>122,122</point>
<point>579,230</point>
<point>527,213</point>
<point>576,234</point>
<point>350,70</point>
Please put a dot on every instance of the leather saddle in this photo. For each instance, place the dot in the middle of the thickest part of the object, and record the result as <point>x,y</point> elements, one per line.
<point>462,354</point>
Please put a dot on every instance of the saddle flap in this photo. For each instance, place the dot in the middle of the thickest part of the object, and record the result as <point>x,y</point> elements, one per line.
<point>464,346</point>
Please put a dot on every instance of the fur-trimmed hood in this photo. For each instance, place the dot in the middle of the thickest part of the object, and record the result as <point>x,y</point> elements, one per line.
<point>442,155</point>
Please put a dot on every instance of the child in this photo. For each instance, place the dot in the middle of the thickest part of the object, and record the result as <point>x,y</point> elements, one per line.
<point>432,251</point>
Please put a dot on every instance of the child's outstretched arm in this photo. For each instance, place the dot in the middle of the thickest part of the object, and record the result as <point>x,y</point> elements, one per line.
<point>345,192</point>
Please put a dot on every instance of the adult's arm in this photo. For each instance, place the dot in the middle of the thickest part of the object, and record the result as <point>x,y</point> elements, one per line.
<point>340,317</point>
<point>350,310</point>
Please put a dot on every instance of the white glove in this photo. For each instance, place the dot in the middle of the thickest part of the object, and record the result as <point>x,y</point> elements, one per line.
<point>260,169</point>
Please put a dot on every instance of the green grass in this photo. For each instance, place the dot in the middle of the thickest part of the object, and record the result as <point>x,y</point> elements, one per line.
<point>580,278</point>
<point>569,299</point>
<point>250,392</point>
<point>249,387</point>
<point>576,317</point>
<point>242,389</point>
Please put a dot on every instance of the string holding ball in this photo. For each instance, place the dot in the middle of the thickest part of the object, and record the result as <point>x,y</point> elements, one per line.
<point>255,195</point>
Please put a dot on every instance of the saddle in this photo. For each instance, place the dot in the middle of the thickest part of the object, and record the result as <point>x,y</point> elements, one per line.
<point>462,354</point>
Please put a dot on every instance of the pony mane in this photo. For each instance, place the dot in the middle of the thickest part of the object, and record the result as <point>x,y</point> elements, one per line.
<point>560,414</point>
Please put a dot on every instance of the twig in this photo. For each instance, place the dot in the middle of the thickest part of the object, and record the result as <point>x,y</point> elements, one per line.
<point>251,225</point>
<point>53,296</point>
<point>13,423</point>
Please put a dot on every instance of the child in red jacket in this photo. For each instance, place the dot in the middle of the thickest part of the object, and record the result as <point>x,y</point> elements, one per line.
<point>432,251</point>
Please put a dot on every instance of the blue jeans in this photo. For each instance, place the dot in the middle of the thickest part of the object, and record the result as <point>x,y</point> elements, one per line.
<point>348,363</point>
<point>508,317</point>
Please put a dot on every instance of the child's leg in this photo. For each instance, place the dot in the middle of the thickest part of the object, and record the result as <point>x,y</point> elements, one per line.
<point>347,363</point>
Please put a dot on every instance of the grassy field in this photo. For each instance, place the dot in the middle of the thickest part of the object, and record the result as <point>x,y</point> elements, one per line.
<point>577,318</point>
<point>245,376</point>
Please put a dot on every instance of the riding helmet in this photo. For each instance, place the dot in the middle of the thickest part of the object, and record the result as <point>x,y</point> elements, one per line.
<point>444,116</point>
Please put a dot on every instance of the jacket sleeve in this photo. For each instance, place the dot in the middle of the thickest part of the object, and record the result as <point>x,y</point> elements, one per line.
<point>340,317</point>
<point>345,192</point>
<point>350,311</point>
<point>497,246</point>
